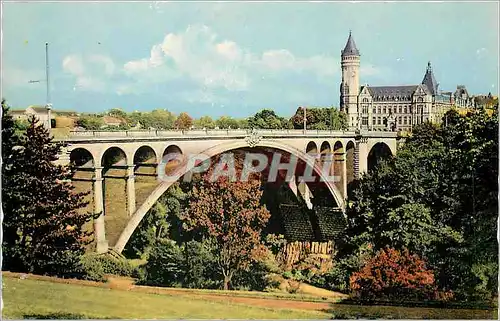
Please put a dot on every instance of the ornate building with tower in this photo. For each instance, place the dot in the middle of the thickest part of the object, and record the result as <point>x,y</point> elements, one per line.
<point>393,107</point>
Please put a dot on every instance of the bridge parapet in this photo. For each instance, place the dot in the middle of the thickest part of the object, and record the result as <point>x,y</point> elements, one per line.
<point>131,134</point>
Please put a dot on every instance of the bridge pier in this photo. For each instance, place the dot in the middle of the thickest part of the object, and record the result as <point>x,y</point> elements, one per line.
<point>340,170</point>
<point>99,226</point>
<point>361,157</point>
<point>130,189</point>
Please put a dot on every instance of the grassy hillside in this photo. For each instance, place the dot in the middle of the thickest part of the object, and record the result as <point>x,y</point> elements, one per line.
<point>43,297</point>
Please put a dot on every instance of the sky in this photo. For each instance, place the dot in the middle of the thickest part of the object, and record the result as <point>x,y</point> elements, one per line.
<point>235,58</point>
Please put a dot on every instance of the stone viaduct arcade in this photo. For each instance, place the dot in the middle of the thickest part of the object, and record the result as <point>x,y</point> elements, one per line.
<point>120,168</point>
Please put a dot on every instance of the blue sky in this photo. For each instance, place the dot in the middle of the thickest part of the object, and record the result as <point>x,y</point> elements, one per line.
<point>237,58</point>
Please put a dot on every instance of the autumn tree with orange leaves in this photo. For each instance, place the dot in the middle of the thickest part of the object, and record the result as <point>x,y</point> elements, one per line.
<point>394,274</point>
<point>184,121</point>
<point>230,215</point>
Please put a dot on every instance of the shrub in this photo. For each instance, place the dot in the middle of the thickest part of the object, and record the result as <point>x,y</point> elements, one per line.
<point>258,277</point>
<point>164,265</point>
<point>199,266</point>
<point>95,266</point>
<point>116,266</point>
<point>275,243</point>
<point>190,265</point>
<point>393,275</point>
<point>91,269</point>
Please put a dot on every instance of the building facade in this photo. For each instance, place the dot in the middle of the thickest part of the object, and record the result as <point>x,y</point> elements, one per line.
<point>393,107</point>
<point>42,114</point>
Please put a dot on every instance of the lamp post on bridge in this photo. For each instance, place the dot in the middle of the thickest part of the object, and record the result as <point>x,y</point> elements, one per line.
<point>305,120</point>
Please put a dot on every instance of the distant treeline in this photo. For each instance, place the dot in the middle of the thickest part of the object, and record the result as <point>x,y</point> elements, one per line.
<point>317,118</point>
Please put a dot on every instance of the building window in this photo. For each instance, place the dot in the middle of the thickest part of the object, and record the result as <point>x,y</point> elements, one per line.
<point>365,121</point>
<point>378,109</point>
<point>379,120</point>
<point>374,120</point>
<point>374,110</point>
<point>399,120</point>
<point>405,120</point>
<point>405,110</point>
<point>395,109</point>
<point>384,110</point>
<point>400,109</point>
<point>420,99</point>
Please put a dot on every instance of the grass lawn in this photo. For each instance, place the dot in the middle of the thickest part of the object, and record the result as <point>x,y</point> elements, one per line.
<point>49,298</point>
<point>41,299</point>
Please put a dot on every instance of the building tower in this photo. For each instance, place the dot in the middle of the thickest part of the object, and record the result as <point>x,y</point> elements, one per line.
<point>349,88</point>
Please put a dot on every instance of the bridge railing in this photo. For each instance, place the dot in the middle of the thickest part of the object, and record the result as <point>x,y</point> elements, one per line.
<point>194,132</point>
<point>216,132</point>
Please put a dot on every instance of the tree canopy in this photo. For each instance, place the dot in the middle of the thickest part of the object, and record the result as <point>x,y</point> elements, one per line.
<point>438,198</point>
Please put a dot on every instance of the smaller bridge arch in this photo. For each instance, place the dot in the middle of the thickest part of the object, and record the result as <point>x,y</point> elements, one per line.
<point>82,158</point>
<point>145,155</point>
<point>378,152</point>
<point>311,148</point>
<point>114,156</point>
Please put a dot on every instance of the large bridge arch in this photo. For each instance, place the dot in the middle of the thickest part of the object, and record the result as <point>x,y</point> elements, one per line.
<point>211,152</point>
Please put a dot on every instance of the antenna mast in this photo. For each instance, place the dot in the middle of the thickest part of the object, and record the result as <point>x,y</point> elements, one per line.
<point>47,80</point>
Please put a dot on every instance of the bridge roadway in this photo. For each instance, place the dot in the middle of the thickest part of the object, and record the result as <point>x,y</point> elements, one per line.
<point>106,158</point>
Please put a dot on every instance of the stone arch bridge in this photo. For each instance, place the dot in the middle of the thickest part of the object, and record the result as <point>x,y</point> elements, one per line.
<point>120,168</point>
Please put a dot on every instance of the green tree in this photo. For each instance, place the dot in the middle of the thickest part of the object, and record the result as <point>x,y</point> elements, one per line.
<point>90,122</point>
<point>204,122</point>
<point>160,119</point>
<point>438,196</point>
<point>267,119</point>
<point>9,135</point>
<point>243,123</point>
<point>156,225</point>
<point>320,118</point>
<point>119,113</point>
<point>43,220</point>
<point>226,122</point>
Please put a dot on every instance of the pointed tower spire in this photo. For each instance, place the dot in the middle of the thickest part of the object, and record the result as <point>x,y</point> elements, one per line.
<point>350,47</point>
<point>429,80</point>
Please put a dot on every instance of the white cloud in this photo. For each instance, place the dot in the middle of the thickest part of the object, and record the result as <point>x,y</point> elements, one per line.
<point>196,65</point>
<point>74,65</point>
<point>201,57</point>
<point>90,72</point>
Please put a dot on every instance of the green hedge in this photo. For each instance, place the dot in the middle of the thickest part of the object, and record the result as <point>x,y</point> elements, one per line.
<point>95,266</point>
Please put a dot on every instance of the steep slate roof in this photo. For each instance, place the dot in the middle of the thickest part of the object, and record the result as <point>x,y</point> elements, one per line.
<point>461,90</point>
<point>402,92</point>
<point>350,47</point>
<point>430,81</point>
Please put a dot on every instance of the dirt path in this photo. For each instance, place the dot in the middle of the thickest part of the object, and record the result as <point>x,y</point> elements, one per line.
<point>270,303</point>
